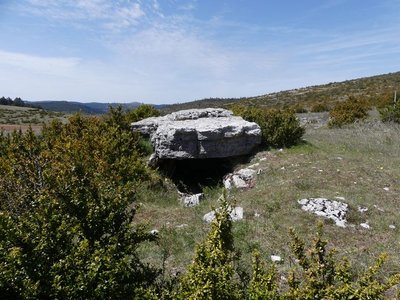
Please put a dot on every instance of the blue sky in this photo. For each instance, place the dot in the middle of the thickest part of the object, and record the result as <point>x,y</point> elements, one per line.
<point>168,51</point>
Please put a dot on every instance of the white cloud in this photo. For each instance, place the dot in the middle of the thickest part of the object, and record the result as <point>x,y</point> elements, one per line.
<point>43,65</point>
<point>109,14</point>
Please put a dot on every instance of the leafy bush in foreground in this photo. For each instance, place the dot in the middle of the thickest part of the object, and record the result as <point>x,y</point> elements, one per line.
<point>66,212</point>
<point>210,276</point>
<point>348,112</point>
<point>280,128</point>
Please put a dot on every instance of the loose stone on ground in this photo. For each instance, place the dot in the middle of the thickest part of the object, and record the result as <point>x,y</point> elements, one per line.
<point>236,214</point>
<point>326,208</point>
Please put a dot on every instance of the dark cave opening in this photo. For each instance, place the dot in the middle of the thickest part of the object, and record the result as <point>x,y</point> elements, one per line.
<point>192,175</point>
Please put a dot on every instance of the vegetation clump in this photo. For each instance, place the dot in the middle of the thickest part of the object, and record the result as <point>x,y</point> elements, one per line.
<point>66,210</point>
<point>280,128</point>
<point>390,110</point>
<point>319,107</point>
<point>347,112</point>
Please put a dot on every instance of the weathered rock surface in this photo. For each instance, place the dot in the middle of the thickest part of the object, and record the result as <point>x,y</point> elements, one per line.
<point>200,133</point>
<point>192,200</point>
<point>239,179</point>
<point>330,209</point>
<point>236,214</point>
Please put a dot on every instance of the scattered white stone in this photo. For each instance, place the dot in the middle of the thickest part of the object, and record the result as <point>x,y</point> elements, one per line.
<point>320,170</point>
<point>239,179</point>
<point>182,226</point>
<point>283,168</point>
<point>280,150</point>
<point>256,214</point>
<point>365,225</point>
<point>236,214</point>
<point>276,258</point>
<point>228,183</point>
<point>209,217</point>
<point>362,209</point>
<point>340,198</point>
<point>192,200</point>
<point>263,159</point>
<point>326,208</point>
<point>392,227</point>
<point>339,158</point>
<point>386,189</point>
<point>259,171</point>
<point>154,232</point>
<point>239,182</point>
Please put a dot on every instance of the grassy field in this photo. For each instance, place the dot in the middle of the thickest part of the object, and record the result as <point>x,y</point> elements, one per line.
<point>15,118</point>
<point>359,163</point>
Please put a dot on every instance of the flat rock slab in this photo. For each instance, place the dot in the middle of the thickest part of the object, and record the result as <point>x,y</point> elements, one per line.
<point>200,133</point>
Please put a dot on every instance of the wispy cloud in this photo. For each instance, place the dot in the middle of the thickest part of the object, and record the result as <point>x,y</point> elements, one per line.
<point>42,65</point>
<point>167,51</point>
<point>109,14</point>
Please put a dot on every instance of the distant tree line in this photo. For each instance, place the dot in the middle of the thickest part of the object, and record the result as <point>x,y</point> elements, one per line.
<point>16,102</point>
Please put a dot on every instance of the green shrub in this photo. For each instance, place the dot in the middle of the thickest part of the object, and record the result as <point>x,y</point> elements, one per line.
<point>210,276</point>
<point>383,100</point>
<point>280,128</point>
<point>348,112</point>
<point>142,112</point>
<point>390,109</point>
<point>319,107</point>
<point>66,212</point>
<point>299,108</point>
<point>391,113</point>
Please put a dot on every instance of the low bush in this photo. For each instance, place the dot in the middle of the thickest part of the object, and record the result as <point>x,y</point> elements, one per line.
<point>390,109</point>
<point>319,107</point>
<point>391,113</point>
<point>280,128</point>
<point>348,112</point>
<point>299,108</point>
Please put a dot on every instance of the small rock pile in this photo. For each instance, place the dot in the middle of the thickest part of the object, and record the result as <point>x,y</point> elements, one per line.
<point>331,209</point>
<point>243,178</point>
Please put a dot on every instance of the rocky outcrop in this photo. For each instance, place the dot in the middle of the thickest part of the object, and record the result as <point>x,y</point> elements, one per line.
<point>199,133</point>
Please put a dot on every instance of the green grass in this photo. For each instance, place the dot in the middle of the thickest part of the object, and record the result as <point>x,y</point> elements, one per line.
<point>355,162</point>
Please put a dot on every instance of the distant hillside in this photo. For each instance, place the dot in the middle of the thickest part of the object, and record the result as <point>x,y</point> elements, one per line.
<point>368,87</point>
<point>87,108</point>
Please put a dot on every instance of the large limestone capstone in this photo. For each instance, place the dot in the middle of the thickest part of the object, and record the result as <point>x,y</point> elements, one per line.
<point>200,133</point>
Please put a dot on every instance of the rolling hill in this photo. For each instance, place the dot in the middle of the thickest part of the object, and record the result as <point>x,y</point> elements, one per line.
<point>92,108</point>
<point>368,87</point>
